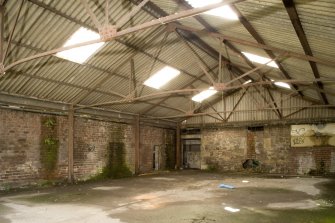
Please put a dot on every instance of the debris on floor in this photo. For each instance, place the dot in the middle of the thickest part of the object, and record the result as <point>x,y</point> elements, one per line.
<point>232,209</point>
<point>226,186</point>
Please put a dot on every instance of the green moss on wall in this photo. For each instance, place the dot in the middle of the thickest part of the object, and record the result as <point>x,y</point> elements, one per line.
<point>116,162</point>
<point>49,146</point>
<point>49,154</point>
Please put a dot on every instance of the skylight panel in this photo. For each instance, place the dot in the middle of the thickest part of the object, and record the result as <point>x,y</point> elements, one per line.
<point>204,95</point>
<point>259,59</point>
<point>162,77</point>
<point>283,85</point>
<point>247,82</point>
<point>224,11</point>
<point>81,54</point>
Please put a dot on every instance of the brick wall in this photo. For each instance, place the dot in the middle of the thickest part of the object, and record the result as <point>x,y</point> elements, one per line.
<point>150,137</point>
<point>19,146</point>
<point>228,148</point>
<point>21,141</point>
<point>223,149</point>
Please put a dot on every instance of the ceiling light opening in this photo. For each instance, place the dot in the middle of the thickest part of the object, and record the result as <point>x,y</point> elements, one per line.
<point>204,95</point>
<point>162,77</point>
<point>224,11</point>
<point>282,84</point>
<point>247,82</point>
<point>259,59</point>
<point>81,54</point>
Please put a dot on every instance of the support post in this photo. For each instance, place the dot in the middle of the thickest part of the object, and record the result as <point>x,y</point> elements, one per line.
<point>178,147</point>
<point>2,12</point>
<point>137,144</point>
<point>70,143</point>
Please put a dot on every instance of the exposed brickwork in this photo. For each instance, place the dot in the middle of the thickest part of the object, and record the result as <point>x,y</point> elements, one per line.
<point>150,137</point>
<point>223,149</point>
<point>228,148</point>
<point>19,146</point>
<point>92,143</point>
<point>21,135</point>
<point>314,160</point>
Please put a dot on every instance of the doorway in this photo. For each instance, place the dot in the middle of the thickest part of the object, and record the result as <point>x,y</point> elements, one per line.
<point>156,158</point>
<point>191,154</point>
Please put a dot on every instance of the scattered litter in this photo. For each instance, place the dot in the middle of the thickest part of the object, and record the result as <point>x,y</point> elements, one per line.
<point>245,181</point>
<point>226,186</point>
<point>232,209</point>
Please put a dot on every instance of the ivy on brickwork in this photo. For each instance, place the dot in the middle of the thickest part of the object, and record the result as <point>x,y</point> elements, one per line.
<point>116,162</point>
<point>50,122</point>
<point>49,146</point>
<point>116,166</point>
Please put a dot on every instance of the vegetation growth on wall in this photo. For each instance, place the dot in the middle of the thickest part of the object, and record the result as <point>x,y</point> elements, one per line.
<point>49,147</point>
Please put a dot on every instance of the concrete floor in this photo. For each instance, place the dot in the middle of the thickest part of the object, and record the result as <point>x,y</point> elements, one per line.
<point>186,196</point>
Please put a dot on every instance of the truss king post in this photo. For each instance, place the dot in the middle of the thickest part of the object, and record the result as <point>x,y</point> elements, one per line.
<point>70,143</point>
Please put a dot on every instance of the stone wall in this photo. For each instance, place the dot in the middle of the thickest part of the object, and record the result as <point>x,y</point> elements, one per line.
<point>223,149</point>
<point>23,136</point>
<point>227,149</point>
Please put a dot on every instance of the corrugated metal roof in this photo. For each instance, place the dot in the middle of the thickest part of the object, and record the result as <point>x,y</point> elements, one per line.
<point>45,25</point>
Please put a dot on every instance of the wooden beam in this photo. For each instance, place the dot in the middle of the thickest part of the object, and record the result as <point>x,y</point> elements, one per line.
<point>70,143</point>
<point>295,20</point>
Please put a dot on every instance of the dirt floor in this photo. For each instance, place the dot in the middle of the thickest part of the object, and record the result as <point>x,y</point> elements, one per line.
<point>181,197</point>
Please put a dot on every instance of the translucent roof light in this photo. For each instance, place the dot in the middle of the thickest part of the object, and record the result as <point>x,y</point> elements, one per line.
<point>224,11</point>
<point>204,95</point>
<point>81,54</point>
<point>247,82</point>
<point>162,77</point>
<point>283,85</point>
<point>259,59</point>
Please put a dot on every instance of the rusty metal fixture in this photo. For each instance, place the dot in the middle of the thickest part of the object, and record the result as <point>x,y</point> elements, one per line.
<point>219,86</point>
<point>107,32</point>
<point>189,113</point>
